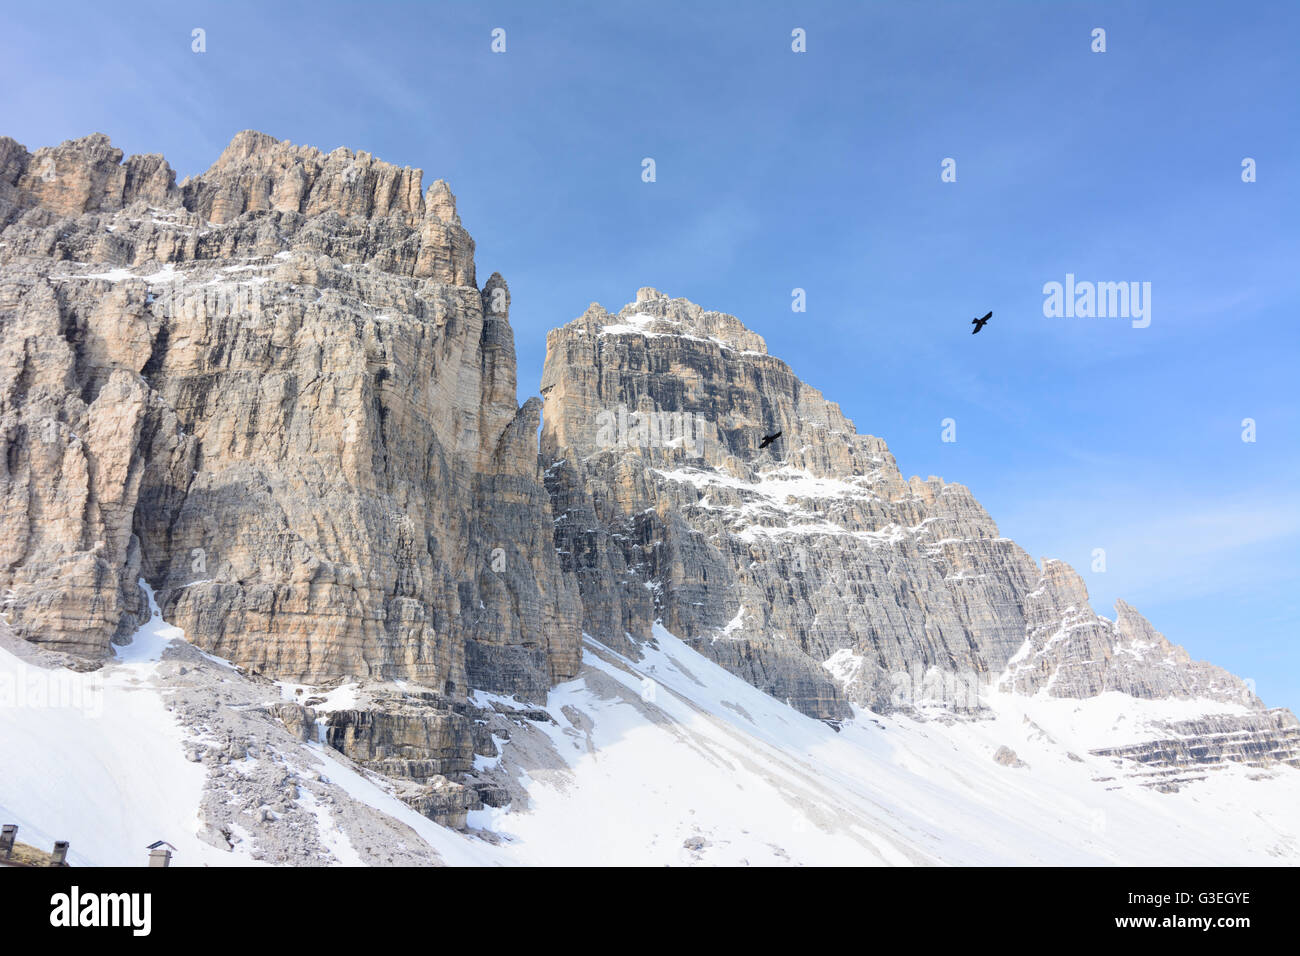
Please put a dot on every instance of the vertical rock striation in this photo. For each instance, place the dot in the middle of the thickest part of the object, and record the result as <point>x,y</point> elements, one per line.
<point>811,568</point>
<point>771,561</point>
<point>276,393</point>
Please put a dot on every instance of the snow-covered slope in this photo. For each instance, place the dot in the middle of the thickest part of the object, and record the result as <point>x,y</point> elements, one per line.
<point>674,760</point>
<point>103,760</point>
<point>95,758</point>
<point>666,760</point>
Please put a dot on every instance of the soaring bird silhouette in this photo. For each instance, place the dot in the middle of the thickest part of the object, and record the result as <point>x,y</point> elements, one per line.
<point>767,440</point>
<point>980,323</point>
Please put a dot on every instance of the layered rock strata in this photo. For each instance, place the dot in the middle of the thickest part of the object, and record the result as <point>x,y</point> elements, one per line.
<point>811,567</point>
<point>1262,739</point>
<point>770,560</point>
<point>276,394</point>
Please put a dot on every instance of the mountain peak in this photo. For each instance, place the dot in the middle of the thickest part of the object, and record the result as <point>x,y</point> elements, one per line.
<point>654,314</point>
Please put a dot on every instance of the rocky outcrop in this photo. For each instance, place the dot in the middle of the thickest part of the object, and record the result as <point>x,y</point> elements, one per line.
<point>276,394</point>
<point>297,719</point>
<point>1007,757</point>
<point>442,801</point>
<point>401,739</point>
<point>1184,750</point>
<point>439,755</point>
<point>424,745</point>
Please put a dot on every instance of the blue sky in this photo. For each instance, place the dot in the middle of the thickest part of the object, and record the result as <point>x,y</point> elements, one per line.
<point>821,171</point>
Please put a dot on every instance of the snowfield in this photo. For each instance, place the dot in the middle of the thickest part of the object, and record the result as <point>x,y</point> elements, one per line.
<point>669,760</point>
<point>712,770</point>
<point>99,761</point>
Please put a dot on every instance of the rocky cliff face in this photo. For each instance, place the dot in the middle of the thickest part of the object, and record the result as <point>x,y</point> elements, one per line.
<point>1071,651</point>
<point>275,393</point>
<point>811,568</point>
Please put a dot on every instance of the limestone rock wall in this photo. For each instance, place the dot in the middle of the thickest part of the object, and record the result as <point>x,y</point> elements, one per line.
<point>276,393</point>
<point>811,568</point>
<point>770,560</point>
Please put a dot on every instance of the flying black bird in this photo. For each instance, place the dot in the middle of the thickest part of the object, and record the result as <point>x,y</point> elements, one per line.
<point>980,323</point>
<point>767,440</point>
